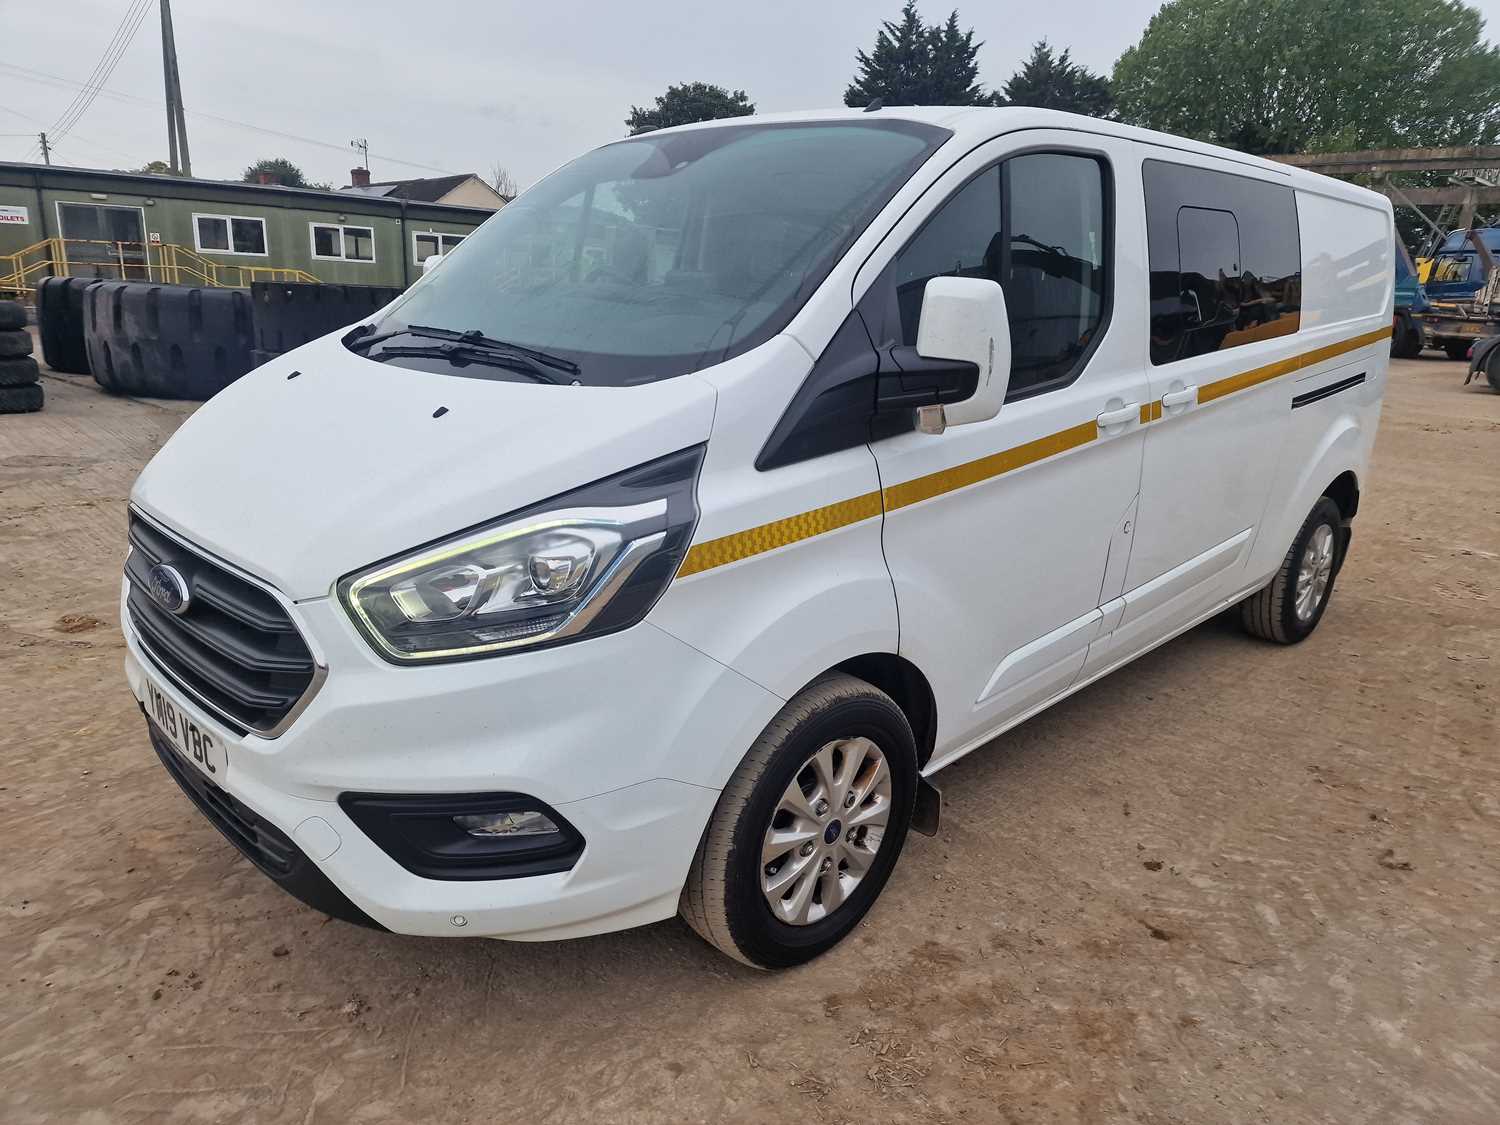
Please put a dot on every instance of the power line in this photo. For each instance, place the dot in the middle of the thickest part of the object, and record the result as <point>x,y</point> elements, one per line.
<point>87,141</point>
<point>117,96</point>
<point>124,35</point>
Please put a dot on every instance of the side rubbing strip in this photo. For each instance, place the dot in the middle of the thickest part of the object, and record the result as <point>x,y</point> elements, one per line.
<point>767,537</point>
<point>1308,397</point>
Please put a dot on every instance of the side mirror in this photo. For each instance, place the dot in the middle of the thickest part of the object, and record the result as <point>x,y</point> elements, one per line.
<point>964,319</point>
<point>430,263</point>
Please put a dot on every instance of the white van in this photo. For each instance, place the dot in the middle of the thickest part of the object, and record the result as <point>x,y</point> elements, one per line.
<point>652,554</point>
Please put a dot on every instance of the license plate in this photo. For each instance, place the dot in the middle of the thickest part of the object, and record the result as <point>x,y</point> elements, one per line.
<point>1470,329</point>
<point>197,745</point>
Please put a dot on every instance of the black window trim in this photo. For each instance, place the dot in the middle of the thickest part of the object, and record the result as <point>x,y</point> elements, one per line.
<point>1108,183</point>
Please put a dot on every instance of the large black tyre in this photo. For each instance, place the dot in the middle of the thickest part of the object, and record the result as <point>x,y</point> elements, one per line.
<point>19,372</point>
<point>12,316</point>
<point>1457,349</point>
<point>727,898</point>
<point>59,321</point>
<point>14,343</point>
<point>289,314</point>
<point>1406,337</point>
<point>20,400</point>
<point>166,341</point>
<point>1290,606</point>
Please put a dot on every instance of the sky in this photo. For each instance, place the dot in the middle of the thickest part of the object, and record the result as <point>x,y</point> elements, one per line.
<point>439,86</point>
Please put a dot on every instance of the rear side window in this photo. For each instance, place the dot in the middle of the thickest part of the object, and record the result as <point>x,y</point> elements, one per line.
<point>1037,225</point>
<point>1226,261</point>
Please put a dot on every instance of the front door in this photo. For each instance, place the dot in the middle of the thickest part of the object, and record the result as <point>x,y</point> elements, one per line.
<point>103,241</point>
<point>999,535</point>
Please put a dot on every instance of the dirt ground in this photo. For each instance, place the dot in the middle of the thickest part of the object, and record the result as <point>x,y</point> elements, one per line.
<point>1232,883</point>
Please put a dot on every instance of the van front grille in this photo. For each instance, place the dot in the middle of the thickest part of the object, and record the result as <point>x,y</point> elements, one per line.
<point>234,649</point>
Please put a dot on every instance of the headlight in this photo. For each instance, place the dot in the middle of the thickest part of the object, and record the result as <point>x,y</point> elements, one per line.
<point>591,561</point>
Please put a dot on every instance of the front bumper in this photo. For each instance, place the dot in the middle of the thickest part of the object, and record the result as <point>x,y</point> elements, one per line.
<point>629,736</point>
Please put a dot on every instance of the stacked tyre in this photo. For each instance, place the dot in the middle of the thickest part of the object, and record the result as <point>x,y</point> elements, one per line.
<point>20,391</point>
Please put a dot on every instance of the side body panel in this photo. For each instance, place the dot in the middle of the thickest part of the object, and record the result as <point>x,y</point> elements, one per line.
<point>1348,294</point>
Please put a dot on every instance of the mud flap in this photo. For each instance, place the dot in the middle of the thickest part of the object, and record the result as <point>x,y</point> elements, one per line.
<point>929,808</point>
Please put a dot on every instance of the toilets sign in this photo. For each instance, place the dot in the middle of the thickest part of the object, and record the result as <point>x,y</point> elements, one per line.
<point>14,216</point>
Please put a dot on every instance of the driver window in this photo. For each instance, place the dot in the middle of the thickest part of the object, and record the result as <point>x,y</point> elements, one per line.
<point>1036,225</point>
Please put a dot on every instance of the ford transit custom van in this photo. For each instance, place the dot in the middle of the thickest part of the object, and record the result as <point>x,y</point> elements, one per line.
<point>653,554</point>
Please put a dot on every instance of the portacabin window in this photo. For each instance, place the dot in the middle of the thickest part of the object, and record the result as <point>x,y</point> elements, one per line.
<point>1226,260</point>
<point>426,243</point>
<point>229,234</point>
<point>1037,224</point>
<point>342,243</point>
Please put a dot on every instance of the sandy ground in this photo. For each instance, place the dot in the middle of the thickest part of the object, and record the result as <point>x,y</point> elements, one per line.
<point>1232,883</point>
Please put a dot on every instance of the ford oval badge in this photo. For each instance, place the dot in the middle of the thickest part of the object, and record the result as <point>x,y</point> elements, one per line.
<point>169,589</point>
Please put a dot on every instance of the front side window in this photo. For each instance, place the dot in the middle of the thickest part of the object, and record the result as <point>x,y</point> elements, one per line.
<point>1226,260</point>
<point>343,243</point>
<point>229,234</point>
<point>1037,225</point>
<point>662,254</point>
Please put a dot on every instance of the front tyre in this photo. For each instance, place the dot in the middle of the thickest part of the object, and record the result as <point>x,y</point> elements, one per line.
<point>1289,608</point>
<point>808,829</point>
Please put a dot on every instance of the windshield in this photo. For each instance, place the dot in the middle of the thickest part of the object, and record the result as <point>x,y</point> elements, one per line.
<point>656,256</point>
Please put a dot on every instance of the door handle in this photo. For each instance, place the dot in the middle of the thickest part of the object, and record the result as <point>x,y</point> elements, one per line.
<point>1112,418</point>
<point>1185,397</point>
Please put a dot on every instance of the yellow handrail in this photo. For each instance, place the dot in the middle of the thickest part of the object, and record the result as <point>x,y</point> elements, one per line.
<point>130,261</point>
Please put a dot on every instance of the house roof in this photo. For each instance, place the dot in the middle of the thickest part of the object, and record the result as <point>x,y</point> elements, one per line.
<point>426,191</point>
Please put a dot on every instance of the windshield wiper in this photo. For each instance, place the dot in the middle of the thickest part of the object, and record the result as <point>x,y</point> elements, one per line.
<point>461,352</point>
<point>473,339</point>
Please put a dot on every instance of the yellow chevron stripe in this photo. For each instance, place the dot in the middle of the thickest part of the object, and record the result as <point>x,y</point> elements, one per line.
<point>768,536</point>
<point>779,533</point>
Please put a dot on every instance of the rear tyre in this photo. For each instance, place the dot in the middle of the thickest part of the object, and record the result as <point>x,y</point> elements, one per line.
<point>1289,608</point>
<point>1492,369</point>
<point>18,372</point>
<point>808,829</point>
<point>1406,339</point>
<point>1457,349</point>
<point>20,400</point>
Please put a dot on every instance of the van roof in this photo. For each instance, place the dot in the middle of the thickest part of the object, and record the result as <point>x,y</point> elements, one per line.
<point>971,124</point>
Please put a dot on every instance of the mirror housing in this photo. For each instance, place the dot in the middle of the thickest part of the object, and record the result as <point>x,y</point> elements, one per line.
<point>430,263</point>
<point>964,319</point>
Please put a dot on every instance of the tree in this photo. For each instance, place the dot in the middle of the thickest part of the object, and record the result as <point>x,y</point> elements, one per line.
<point>280,170</point>
<point>1054,81</point>
<point>914,64</point>
<point>689,103</point>
<point>502,181</point>
<point>1272,76</point>
<point>154,168</point>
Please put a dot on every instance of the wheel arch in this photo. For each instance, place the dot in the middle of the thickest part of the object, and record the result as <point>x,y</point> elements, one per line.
<point>904,682</point>
<point>1344,491</point>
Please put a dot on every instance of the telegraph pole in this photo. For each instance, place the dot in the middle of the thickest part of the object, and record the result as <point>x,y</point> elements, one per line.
<point>177,142</point>
<point>46,148</point>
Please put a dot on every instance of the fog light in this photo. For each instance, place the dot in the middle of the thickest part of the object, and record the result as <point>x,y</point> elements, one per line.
<point>527,822</point>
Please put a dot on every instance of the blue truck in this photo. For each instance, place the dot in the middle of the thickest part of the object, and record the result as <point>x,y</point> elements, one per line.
<point>1462,291</point>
